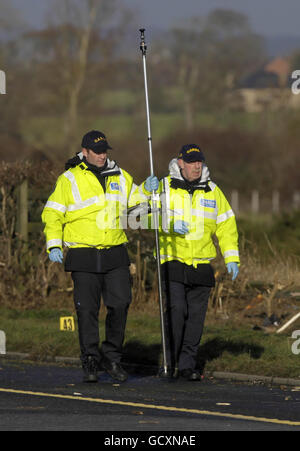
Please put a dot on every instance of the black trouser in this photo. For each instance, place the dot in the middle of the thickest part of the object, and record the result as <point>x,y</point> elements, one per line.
<point>186,308</point>
<point>115,288</point>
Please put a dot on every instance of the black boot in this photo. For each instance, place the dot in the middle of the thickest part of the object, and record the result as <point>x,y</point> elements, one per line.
<point>114,369</point>
<point>191,375</point>
<point>90,368</point>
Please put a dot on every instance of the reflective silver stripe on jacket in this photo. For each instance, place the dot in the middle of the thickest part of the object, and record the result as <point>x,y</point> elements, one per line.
<point>56,206</point>
<point>165,206</point>
<point>84,204</point>
<point>124,195</point>
<point>232,253</point>
<point>204,214</point>
<point>176,212</point>
<point>224,216</point>
<point>212,185</point>
<point>54,243</point>
<point>74,186</point>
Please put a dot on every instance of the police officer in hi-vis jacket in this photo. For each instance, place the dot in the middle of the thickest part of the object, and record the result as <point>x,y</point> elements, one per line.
<point>194,209</point>
<point>85,213</point>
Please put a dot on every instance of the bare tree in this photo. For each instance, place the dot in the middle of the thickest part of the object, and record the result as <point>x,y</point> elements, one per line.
<point>70,53</point>
<point>210,55</point>
<point>80,71</point>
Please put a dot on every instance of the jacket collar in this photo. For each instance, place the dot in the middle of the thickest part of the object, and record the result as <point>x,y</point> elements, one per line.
<point>112,167</point>
<point>175,174</point>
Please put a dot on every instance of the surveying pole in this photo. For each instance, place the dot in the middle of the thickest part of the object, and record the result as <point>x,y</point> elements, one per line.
<point>155,211</point>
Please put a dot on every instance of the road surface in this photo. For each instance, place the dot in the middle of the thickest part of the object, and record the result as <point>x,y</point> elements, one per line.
<point>36,397</point>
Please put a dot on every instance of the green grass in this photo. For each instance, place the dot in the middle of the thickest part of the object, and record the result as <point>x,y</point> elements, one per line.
<point>123,117</point>
<point>244,350</point>
<point>223,348</point>
<point>47,132</point>
<point>42,132</point>
<point>118,99</point>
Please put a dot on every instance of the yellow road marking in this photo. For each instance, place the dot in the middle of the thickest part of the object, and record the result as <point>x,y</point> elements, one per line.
<point>153,406</point>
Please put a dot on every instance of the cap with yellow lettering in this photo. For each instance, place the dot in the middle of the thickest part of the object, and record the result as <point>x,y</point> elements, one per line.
<point>190,153</point>
<point>95,141</point>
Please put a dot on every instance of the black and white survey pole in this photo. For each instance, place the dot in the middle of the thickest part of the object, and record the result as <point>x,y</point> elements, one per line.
<point>155,211</point>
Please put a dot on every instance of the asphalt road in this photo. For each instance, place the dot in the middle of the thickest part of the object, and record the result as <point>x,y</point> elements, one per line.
<point>53,398</point>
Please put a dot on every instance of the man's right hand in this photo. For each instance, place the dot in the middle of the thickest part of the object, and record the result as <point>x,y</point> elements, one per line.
<point>56,255</point>
<point>152,183</point>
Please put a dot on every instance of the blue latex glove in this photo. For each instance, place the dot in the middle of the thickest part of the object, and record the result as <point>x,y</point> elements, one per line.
<point>151,183</point>
<point>56,255</point>
<point>233,268</point>
<point>181,227</point>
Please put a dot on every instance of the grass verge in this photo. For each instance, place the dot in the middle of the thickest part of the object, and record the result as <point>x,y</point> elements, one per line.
<point>230,348</point>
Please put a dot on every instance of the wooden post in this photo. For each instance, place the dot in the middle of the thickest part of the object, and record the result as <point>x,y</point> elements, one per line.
<point>23,210</point>
<point>275,202</point>
<point>296,200</point>
<point>255,202</point>
<point>235,201</point>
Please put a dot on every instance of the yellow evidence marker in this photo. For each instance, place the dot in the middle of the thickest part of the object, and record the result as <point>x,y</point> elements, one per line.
<point>67,323</point>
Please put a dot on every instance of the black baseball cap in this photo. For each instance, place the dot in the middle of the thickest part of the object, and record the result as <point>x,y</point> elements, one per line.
<point>95,141</point>
<point>190,153</point>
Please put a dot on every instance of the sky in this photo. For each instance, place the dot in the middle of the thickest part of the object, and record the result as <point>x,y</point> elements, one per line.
<point>267,17</point>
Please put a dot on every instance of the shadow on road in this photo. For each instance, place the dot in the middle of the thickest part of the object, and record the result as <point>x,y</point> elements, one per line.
<point>143,359</point>
<point>213,349</point>
<point>146,359</point>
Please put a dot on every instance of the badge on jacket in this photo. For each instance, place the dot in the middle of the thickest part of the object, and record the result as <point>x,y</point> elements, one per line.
<point>208,203</point>
<point>114,186</point>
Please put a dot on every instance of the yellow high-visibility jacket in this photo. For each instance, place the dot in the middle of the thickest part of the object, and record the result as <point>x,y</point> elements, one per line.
<point>79,214</point>
<point>207,213</point>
